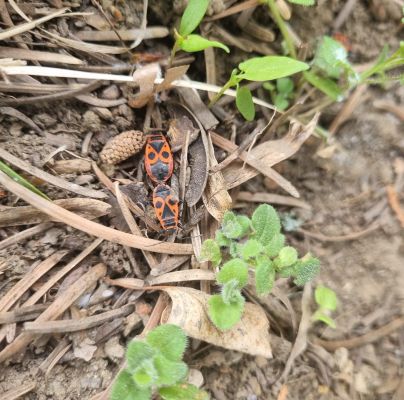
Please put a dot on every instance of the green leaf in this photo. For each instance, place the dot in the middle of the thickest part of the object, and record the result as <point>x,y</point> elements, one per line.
<point>306,269</point>
<point>303,2</point>
<point>264,276</point>
<point>284,86</point>
<point>231,226</point>
<point>274,246</point>
<point>281,102</point>
<point>137,353</point>
<point>233,269</point>
<point>326,298</point>
<point>326,85</point>
<point>193,43</point>
<point>270,67</point>
<point>266,223</point>
<point>169,372</point>
<point>244,102</point>
<point>250,249</point>
<point>231,292</point>
<point>22,181</point>
<point>183,391</point>
<point>145,375</point>
<point>170,340</point>
<point>287,256</point>
<point>245,224</point>
<point>211,252</point>
<point>320,316</point>
<point>221,239</point>
<point>192,16</point>
<point>223,315</point>
<point>331,57</point>
<point>124,388</point>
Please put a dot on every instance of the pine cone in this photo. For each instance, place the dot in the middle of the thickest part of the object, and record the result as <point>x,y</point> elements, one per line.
<point>122,146</point>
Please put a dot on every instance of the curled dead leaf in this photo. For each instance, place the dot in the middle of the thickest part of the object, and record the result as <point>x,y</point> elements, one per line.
<point>144,77</point>
<point>189,311</point>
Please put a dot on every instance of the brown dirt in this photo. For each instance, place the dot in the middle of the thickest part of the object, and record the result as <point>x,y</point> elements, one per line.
<point>347,191</point>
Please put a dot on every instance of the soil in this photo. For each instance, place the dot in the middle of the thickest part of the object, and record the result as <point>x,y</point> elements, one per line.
<point>344,181</point>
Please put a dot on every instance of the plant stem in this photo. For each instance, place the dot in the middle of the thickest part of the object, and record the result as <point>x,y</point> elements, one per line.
<point>172,55</point>
<point>226,86</point>
<point>282,27</point>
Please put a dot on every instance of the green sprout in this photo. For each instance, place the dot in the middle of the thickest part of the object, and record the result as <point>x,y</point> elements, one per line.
<point>259,69</point>
<point>326,300</point>
<point>154,365</point>
<point>257,246</point>
<point>281,93</point>
<point>184,38</point>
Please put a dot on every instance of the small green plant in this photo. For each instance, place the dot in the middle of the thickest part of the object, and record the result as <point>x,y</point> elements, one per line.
<point>243,245</point>
<point>154,365</point>
<point>259,69</point>
<point>184,38</point>
<point>281,93</point>
<point>326,300</point>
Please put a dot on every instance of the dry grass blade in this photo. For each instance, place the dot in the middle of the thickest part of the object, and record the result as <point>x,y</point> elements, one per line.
<point>90,227</point>
<point>395,203</point>
<point>12,112</point>
<point>263,197</point>
<point>27,215</point>
<point>22,314</point>
<point>18,392</point>
<point>127,283</point>
<point>153,32</point>
<point>16,30</point>
<point>25,234</point>
<point>390,107</point>
<point>184,276</point>
<point>17,291</point>
<point>245,5</point>
<point>35,55</point>
<point>54,180</point>
<point>34,88</point>
<point>75,325</point>
<point>57,308</point>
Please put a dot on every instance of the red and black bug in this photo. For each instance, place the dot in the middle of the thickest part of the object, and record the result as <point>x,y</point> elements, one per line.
<point>158,158</point>
<point>166,207</point>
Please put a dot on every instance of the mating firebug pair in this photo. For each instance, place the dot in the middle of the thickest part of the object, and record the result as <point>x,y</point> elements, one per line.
<point>159,165</point>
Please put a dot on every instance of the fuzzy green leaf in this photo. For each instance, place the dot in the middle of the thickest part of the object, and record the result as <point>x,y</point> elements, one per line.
<point>306,269</point>
<point>244,102</point>
<point>326,85</point>
<point>169,372</point>
<point>320,316</point>
<point>193,43</point>
<point>183,391</point>
<point>234,249</point>
<point>303,2</point>
<point>231,226</point>
<point>264,275</point>
<point>250,249</point>
<point>193,14</point>
<point>169,340</point>
<point>284,86</point>
<point>211,252</point>
<point>137,353</point>
<point>270,67</point>
<point>326,298</point>
<point>124,388</point>
<point>233,269</point>
<point>331,57</point>
<point>221,239</point>
<point>287,256</point>
<point>223,315</point>
<point>245,224</point>
<point>266,223</point>
<point>231,292</point>
<point>145,375</point>
<point>274,246</point>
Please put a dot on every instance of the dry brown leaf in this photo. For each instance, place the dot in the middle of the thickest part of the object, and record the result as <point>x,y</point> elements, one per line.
<point>184,276</point>
<point>172,75</point>
<point>189,311</point>
<point>270,153</point>
<point>27,215</point>
<point>90,227</point>
<point>216,197</point>
<point>144,77</point>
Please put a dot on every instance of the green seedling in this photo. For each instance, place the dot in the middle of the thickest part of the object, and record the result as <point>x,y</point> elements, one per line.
<point>281,93</point>
<point>255,247</point>
<point>22,181</point>
<point>326,300</point>
<point>258,69</point>
<point>184,38</point>
<point>154,366</point>
<point>305,3</point>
